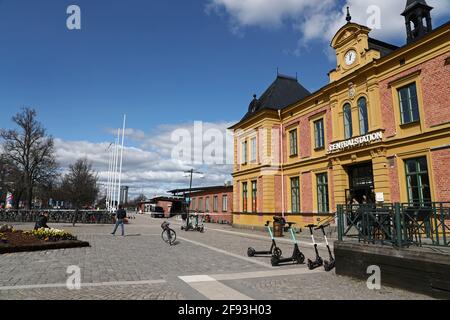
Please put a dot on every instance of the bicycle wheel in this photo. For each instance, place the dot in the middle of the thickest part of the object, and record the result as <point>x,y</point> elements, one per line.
<point>169,236</point>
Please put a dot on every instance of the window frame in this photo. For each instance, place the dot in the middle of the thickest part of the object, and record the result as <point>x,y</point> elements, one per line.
<point>297,200</point>
<point>418,174</point>
<point>348,121</point>
<point>244,152</point>
<point>253,150</point>
<point>319,138</point>
<point>225,203</point>
<point>293,142</point>
<point>323,196</point>
<point>363,119</point>
<point>216,204</point>
<point>411,112</point>
<point>254,196</point>
<point>244,197</point>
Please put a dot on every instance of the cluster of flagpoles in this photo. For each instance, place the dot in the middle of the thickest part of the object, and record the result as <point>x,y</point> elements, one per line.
<point>113,186</point>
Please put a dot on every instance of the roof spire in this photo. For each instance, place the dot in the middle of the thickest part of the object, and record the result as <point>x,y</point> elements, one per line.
<point>349,17</point>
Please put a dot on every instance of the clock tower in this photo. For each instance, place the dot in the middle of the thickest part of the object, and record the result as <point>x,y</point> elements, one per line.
<point>352,47</point>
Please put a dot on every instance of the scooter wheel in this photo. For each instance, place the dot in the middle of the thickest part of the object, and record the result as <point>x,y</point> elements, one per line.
<point>274,261</point>
<point>328,265</point>
<point>277,253</point>
<point>251,252</point>
<point>310,265</point>
<point>300,258</point>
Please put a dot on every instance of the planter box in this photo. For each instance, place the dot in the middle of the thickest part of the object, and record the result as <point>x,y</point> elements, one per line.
<point>416,269</point>
<point>5,248</point>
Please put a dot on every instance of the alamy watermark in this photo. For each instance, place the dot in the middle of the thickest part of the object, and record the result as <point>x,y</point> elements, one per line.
<point>73,21</point>
<point>374,280</point>
<point>74,279</point>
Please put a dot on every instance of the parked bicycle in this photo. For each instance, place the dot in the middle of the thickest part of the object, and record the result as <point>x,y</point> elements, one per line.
<point>168,235</point>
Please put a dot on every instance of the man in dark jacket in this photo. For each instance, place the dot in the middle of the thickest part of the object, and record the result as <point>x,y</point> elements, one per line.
<point>120,217</point>
<point>42,222</point>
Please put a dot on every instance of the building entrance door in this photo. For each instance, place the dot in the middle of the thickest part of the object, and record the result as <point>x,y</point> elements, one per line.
<point>361,184</point>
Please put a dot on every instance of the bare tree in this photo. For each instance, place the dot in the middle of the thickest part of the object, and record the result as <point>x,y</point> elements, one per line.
<point>138,199</point>
<point>30,150</point>
<point>80,184</point>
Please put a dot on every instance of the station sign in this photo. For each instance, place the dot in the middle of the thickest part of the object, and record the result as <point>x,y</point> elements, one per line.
<point>356,142</point>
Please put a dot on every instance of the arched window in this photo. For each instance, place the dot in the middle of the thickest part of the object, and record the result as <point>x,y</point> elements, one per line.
<point>348,126</point>
<point>363,116</point>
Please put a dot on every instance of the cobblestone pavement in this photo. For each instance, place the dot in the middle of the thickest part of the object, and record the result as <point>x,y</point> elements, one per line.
<point>212,265</point>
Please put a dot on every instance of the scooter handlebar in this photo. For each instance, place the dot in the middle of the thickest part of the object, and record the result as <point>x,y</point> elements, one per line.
<point>322,226</point>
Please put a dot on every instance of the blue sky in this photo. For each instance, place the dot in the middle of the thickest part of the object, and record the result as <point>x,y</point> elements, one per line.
<point>164,62</point>
<point>160,61</point>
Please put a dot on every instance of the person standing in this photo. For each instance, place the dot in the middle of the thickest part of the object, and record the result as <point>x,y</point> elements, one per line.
<point>42,222</point>
<point>75,217</point>
<point>120,217</point>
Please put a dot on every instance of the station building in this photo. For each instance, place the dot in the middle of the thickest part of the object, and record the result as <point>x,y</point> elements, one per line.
<point>214,202</point>
<point>379,131</point>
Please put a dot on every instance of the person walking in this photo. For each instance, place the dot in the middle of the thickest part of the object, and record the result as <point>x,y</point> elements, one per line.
<point>120,217</point>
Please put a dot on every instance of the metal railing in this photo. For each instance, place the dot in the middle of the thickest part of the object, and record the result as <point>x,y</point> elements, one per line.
<point>58,216</point>
<point>398,224</point>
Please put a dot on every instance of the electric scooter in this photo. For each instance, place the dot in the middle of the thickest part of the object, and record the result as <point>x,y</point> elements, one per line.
<point>319,261</point>
<point>328,265</point>
<point>274,250</point>
<point>297,256</point>
<point>191,227</point>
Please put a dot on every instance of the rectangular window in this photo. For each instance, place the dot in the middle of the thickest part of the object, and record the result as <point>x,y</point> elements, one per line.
<point>409,105</point>
<point>192,204</point>
<point>200,205</point>
<point>319,134</point>
<point>244,152</point>
<point>293,142</point>
<point>244,196</point>
<point>253,150</point>
<point>417,181</point>
<point>216,204</point>
<point>295,194</point>
<point>254,196</point>
<point>322,193</point>
<point>207,204</point>
<point>225,203</point>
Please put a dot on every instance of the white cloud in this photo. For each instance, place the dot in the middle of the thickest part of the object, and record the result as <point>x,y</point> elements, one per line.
<point>316,20</point>
<point>148,168</point>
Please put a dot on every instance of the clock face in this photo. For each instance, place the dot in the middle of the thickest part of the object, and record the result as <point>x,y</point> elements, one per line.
<point>350,57</point>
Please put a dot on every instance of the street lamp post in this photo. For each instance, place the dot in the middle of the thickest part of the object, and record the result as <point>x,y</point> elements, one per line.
<point>191,172</point>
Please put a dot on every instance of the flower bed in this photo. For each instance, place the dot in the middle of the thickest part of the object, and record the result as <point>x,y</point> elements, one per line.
<point>43,239</point>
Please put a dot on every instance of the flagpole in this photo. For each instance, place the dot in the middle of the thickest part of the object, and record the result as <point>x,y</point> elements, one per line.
<point>121,159</point>
<point>107,178</point>
<point>108,186</point>
<point>116,154</point>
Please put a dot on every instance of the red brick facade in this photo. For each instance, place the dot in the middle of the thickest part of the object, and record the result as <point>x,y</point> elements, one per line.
<point>441,170</point>
<point>199,202</point>
<point>435,93</point>
<point>393,179</point>
<point>306,197</point>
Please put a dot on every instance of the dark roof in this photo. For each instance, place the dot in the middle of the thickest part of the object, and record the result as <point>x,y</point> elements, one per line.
<point>283,92</point>
<point>200,189</point>
<point>410,4</point>
<point>383,47</point>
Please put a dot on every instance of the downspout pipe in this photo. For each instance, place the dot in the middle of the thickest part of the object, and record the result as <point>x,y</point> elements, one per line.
<point>281,164</point>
